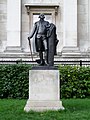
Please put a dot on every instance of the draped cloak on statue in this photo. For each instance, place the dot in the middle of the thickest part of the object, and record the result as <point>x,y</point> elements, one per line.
<point>52,43</point>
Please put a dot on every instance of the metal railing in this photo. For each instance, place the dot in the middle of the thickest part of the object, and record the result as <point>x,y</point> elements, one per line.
<point>78,62</point>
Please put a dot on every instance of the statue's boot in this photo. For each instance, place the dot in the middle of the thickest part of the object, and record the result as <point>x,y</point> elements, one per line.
<point>46,57</point>
<point>41,58</point>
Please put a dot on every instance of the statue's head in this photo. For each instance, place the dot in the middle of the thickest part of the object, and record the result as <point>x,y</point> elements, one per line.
<point>42,16</point>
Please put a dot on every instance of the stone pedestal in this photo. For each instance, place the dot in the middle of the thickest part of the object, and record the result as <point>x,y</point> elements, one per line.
<point>44,91</point>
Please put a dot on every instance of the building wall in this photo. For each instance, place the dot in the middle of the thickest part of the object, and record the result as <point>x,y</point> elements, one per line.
<point>82,43</point>
<point>3,24</point>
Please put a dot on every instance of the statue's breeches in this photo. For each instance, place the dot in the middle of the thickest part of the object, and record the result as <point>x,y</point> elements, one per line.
<point>41,43</point>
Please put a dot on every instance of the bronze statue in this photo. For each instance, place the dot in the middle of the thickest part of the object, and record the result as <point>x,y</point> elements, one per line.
<point>45,40</point>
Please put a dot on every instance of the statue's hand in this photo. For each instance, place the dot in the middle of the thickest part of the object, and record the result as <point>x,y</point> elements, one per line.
<point>28,38</point>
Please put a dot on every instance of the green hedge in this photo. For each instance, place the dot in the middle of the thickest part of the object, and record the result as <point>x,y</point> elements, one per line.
<point>75,81</point>
<point>14,79</point>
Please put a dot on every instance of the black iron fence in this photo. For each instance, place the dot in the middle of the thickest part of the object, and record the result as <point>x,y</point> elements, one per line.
<point>69,62</point>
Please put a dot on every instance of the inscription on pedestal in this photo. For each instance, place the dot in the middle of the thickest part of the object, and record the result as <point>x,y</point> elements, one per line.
<point>44,85</point>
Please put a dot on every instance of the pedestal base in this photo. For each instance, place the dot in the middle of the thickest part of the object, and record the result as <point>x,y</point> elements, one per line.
<point>44,90</point>
<point>43,105</point>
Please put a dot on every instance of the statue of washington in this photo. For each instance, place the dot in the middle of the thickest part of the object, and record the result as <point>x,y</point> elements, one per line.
<point>45,40</point>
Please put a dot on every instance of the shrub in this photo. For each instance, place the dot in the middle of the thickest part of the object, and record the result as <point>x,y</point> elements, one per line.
<point>14,81</point>
<point>75,81</point>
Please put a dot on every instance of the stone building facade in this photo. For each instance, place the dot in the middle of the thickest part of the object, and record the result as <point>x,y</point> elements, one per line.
<point>71,17</point>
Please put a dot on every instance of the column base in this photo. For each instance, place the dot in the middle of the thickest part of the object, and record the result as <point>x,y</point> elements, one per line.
<point>43,105</point>
<point>13,49</point>
<point>71,51</point>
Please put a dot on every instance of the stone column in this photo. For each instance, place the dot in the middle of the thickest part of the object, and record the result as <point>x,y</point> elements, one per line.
<point>13,25</point>
<point>70,25</point>
<point>89,23</point>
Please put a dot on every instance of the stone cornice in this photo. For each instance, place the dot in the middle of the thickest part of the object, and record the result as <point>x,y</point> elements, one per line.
<point>29,6</point>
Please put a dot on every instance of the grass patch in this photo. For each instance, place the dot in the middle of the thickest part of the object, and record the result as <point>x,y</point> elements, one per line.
<point>76,109</point>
